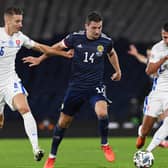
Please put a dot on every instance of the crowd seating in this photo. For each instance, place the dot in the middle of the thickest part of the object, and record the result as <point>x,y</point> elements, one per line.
<point>126,21</point>
<point>138,21</point>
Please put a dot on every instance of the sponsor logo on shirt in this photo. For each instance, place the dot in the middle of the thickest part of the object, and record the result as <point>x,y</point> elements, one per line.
<point>79,46</point>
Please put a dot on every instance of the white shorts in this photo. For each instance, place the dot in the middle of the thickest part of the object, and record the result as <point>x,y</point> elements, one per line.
<point>156,103</point>
<point>7,92</point>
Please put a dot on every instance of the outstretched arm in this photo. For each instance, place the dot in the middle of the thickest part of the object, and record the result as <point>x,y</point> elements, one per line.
<point>113,58</point>
<point>134,52</point>
<point>153,67</point>
<point>56,49</point>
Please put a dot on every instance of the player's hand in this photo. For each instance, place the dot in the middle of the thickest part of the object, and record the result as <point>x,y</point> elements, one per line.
<point>33,61</point>
<point>70,53</point>
<point>163,115</point>
<point>116,76</point>
<point>132,50</point>
<point>166,57</point>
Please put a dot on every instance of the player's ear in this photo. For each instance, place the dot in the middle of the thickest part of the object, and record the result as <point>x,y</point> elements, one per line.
<point>7,19</point>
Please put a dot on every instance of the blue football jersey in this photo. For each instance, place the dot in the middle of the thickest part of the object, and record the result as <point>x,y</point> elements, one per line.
<point>88,60</point>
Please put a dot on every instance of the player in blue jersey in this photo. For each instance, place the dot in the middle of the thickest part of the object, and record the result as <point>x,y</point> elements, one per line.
<point>90,48</point>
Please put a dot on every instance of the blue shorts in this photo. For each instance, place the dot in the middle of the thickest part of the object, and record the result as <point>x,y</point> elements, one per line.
<point>74,99</point>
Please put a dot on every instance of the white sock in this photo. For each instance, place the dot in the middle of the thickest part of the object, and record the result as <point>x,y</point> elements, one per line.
<point>139,131</point>
<point>159,136</point>
<point>31,129</point>
<point>52,156</point>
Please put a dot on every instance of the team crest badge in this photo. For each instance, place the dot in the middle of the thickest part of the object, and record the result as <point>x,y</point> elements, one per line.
<point>18,43</point>
<point>100,50</point>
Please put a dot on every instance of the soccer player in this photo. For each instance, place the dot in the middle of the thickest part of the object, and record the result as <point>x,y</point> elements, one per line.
<point>90,48</point>
<point>12,91</point>
<point>144,59</point>
<point>157,101</point>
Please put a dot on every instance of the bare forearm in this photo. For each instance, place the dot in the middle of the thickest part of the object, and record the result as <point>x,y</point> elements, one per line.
<point>141,58</point>
<point>113,58</point>
<point>50,51</point>
<point>153,67</point>
<point>43,57</point>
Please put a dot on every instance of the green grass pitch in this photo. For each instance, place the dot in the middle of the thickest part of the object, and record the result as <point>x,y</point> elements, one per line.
<point>75,153</point>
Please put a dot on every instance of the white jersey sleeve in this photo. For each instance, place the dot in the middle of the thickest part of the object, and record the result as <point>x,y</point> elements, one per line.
<point>9,47</point>
<point>27,42</point>
<point>154,56</point>
<point>159,51</point>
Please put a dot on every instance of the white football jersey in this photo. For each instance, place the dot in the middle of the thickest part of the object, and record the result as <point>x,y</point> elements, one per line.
<point>159,51</point>
<point>9,46</point>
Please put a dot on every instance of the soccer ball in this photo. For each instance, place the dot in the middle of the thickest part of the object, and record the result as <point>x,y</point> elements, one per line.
<point>143,159</point>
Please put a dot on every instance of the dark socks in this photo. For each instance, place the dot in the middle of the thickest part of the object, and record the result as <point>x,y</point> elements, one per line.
<point>57,137</point>
<point>103,128</point>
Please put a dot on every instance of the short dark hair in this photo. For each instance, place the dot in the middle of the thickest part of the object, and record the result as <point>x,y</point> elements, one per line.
<point>94,16</point>
<point>165,27</point>
<point>13,11</point>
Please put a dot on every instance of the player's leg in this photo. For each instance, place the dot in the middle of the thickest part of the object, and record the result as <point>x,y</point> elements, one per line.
<point>159,136</point>
<point>152,108</point>
<point>102,115</point>
<point>71,105</point>
<point>59,130</point>
<point>15,95</point>
<point>2,104</point>
<point>164,143</point>
<point>20,103</point>
<point>144,130</point>
<point>101,112</point>
<point>1,119</point>
<point>162,132</point>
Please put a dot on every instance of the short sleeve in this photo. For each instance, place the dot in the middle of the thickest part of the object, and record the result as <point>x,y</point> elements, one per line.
<point>110,46</point>
<point>156,55</point>
<point>27,42</point>
<point>69,41</point>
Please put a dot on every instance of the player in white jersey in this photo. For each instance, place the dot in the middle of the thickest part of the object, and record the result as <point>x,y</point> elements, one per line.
<point>133,51</point>
<point>12,91</point>
<point>157,101</point>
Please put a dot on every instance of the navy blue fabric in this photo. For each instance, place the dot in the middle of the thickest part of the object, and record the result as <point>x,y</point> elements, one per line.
<point>74,99</point>
<point>88,60</point>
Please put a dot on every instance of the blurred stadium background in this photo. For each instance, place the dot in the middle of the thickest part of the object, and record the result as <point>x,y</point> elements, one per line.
<point>48,21</point>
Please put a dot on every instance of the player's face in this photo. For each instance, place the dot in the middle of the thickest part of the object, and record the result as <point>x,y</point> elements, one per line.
<point>165,36</point>
<point>93,29</point>
<point>14,23</point>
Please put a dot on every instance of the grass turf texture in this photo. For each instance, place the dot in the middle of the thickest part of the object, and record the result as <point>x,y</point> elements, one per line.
<point>75,153</point>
